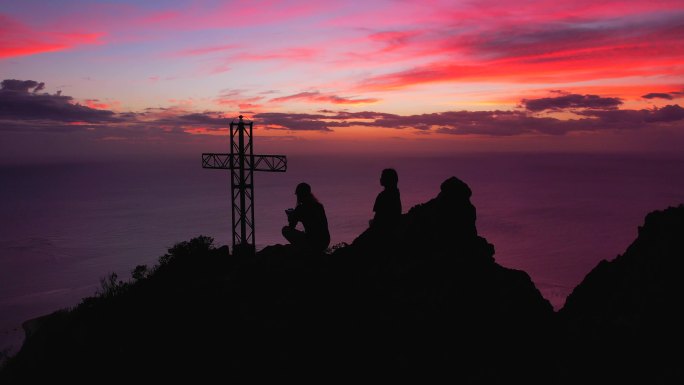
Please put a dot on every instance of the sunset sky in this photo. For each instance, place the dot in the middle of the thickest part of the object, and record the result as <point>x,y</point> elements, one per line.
<point>94,79</point>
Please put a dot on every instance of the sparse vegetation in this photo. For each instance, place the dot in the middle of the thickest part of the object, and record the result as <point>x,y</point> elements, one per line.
<point>444,309</point>
<point>140,272</point>
<point>110,286</point>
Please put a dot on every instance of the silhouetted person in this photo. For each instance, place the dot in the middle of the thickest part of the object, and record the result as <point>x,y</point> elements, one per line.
<point>387,205</point>
<point>311,213</point>
<point>385,224</point>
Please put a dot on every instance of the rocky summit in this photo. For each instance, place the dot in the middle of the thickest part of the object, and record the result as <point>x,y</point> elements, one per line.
<point>421,298</point>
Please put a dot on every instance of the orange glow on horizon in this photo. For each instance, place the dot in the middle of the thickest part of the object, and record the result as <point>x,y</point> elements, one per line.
<point>205,131</point>
<point>320,72</point>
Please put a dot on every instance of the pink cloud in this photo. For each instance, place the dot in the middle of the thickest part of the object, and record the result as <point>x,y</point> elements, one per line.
<point>290,54</point>
<point>225,15</point>
<point>326,98</point>
<point>224,64</point>
<point>17,39</point>
<point>204,131</point>
<point>183,102</point>
<point>494,35</point>
<point>28,110</point>
<point>258,12</point>
<point>491,123</point>
<point>99,105</point>
<point>238,99</point>
<point>550,53</point>
<point>161,17</point>
<point>219,69</point>
<point>533,41</point>
<point>208,50</point>
<point>134,23</point>
<point>393,40</point>
<point>484,15</point>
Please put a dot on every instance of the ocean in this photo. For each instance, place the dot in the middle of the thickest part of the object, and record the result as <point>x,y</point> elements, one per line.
<point>555,216</point>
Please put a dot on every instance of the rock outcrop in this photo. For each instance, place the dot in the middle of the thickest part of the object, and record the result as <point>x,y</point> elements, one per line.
<point>623,323</point>
<point>421,298</point>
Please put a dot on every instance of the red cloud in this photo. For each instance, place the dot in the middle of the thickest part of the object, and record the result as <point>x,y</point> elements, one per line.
<point>562,69</point>
<point>559,49</point>
<point>17,39</point>
<point>204,131</point>
<point>96,104</point>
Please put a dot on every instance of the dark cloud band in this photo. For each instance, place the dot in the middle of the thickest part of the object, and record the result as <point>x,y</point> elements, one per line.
<point>571,101</point>
<point>22,108</point>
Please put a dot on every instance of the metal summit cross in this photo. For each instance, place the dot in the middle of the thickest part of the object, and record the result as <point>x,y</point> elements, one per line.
<point>242,163</point>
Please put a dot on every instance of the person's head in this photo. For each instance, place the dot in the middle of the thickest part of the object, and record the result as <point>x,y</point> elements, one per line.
<point>303,192</point>
<point>389,178</point>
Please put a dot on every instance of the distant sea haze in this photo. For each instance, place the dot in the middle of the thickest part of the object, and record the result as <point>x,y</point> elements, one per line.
<point>555,216</point>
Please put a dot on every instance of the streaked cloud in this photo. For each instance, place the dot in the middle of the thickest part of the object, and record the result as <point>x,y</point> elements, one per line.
<point>24,107</point>
<point>565,50</point>
<point>239,99</point>
<point>316,96</point>
<point>208,50</point>
<point>443,67</point>
<point>18,39</point>
<point>294,122</point>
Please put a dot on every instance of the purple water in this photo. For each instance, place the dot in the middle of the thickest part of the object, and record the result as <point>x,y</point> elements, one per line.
<point>555,216</point>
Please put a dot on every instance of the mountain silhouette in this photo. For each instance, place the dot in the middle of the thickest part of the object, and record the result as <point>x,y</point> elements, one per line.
<point>622,323</point>
<point>426,300</point>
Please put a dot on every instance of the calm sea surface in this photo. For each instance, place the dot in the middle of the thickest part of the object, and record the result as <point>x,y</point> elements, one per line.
<point>63,227</point>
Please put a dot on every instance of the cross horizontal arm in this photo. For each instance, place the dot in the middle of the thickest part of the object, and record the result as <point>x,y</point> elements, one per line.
<point>276,163</point>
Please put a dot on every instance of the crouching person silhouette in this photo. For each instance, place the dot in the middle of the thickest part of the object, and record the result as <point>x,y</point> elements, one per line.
<point>309,211</point>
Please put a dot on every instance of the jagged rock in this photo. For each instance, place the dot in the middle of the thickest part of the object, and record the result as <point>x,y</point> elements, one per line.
<point>424,298</point>
<point>623,321</point>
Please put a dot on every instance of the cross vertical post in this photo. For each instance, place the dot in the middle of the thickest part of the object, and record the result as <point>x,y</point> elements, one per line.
<point>242,163</point>
<point>242,183</point>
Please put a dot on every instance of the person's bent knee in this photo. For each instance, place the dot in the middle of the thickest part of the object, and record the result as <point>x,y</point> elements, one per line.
<point>292,235</point>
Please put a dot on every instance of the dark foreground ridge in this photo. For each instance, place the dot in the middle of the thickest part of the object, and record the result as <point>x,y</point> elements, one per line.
<point>424,300</point>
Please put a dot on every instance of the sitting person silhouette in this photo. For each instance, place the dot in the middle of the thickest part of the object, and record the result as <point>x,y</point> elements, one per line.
<point>311,213</point>
<point>387,205</point>
<point>387,210</point>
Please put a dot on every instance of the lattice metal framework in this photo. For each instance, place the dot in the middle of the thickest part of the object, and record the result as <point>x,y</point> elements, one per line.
<point>242,163</point>
<point>261,162</point>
